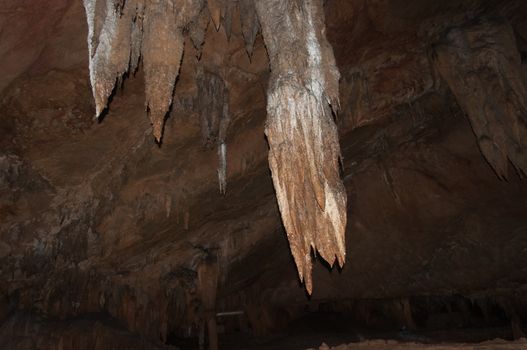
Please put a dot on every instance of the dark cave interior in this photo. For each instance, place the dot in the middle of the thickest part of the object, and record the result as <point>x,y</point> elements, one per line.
<point>263,174</point>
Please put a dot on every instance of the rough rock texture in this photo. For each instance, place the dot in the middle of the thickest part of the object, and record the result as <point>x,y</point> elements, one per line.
<point>482,66</point>
<point>213,105</point>
<point>304,147</point>
<point>119,33</point>
<point>100,224</point>
<point>303,140</point>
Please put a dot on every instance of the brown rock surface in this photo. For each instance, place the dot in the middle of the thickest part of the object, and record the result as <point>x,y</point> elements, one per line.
<point>98,222</point>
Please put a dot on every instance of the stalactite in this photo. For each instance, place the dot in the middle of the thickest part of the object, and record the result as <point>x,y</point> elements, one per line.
<point>198,28</point>
<point>137,38</point>
<point>227,18</point>
<point>222,167</point>
<point>481,64</point>
<point>215,9</point>
<point>162,51</point>
<point>304,149</point>
<point>120,33</point>
<point>303,93</point>
<point>250,24</point>
<point>213,106</point>
<point>109,41</point>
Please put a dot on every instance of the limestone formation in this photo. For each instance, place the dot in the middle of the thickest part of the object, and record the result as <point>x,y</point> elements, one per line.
<point>302,97</point>
<point>120,34</point>
<point>109,240</point>
<point>213,107</point>
<point>482,66</point>
<point>304,148</point>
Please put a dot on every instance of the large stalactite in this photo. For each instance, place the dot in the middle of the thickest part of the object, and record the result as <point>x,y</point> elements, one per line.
<point>302,97</point>
<point>304,149</point>
<point>482,66</point>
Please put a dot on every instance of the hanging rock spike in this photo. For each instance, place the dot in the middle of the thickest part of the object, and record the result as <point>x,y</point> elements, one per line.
<point>303,140</point>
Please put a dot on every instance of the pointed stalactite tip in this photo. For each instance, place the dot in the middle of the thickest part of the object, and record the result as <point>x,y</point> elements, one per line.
<point>308,282</point>
<point>341,259</point>
<point>98,112</point>
<point>157,129</point>
<point>215,13</point>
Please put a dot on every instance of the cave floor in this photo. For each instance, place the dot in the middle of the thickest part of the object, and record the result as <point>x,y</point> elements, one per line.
<point>476,338</point>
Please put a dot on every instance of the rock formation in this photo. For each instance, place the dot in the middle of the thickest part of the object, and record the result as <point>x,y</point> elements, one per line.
<point>481,64</point>
<point>109,239</point>
<point>303,140</point>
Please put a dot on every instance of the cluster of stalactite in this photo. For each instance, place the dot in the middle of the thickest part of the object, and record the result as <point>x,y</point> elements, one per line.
<point>482,66</point>
<point>123,32</point>
<point>302,97</point>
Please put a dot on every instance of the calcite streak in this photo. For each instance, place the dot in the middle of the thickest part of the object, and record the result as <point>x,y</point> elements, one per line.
<point>304,148</point>
<point>481,64</point>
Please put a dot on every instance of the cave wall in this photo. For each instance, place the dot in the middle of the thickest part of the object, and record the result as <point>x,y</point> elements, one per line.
<point>97,219</point>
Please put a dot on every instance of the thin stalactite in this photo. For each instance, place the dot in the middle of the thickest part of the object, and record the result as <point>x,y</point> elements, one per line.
<point>213,107</point>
